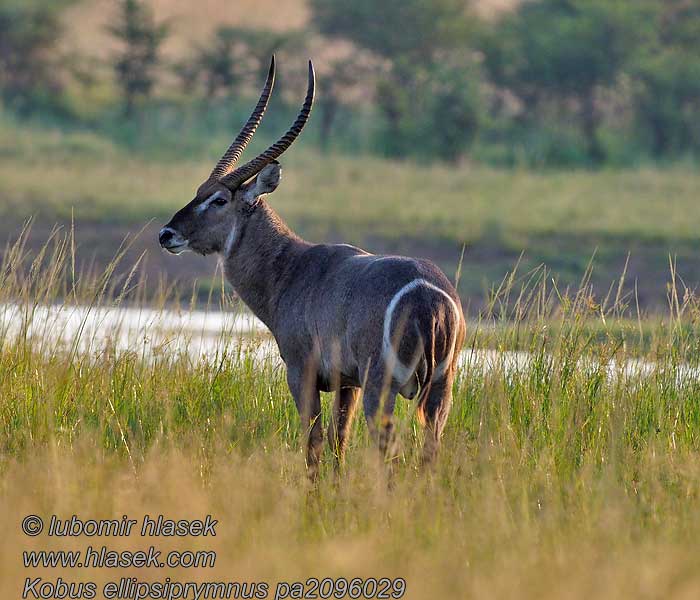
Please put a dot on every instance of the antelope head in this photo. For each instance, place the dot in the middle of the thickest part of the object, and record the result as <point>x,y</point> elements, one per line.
<point>208,223</point>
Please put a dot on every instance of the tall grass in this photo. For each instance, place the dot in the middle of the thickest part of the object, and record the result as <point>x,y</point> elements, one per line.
<point>569,472</point>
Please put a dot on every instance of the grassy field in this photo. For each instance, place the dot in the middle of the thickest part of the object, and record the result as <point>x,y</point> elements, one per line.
<point>638,217</point>
<point>565,477</point>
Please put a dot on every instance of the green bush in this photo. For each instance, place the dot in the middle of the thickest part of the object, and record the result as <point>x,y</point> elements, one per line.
<point>668,74</point>
<point>428,93</point>
<point>565,52</point>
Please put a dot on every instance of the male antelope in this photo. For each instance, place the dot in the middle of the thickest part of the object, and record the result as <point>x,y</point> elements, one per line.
<point>343,318</point>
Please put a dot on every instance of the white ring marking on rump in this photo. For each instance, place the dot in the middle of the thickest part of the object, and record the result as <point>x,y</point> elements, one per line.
<point>401,372</point>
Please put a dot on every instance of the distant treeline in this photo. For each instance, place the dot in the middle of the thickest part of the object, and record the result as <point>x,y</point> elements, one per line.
<point>551,82</point>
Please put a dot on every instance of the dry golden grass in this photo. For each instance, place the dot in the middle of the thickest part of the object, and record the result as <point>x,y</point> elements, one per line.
<point>478,531</point>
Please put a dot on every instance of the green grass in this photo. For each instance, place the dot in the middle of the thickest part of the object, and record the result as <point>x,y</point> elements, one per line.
<point>557,479</point>
<point>56,172</point>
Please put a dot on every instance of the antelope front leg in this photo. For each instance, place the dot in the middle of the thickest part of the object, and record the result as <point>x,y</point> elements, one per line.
<point>341,421</point>
<point>308,402</point>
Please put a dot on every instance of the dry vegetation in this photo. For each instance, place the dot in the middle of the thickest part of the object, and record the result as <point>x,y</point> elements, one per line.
<point>489,528</point>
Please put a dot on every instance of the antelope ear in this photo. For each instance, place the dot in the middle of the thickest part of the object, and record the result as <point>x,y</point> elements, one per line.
<point>265,183</point>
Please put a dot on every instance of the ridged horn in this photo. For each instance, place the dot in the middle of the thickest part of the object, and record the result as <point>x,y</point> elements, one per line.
<point>231,156</point>
<point>254,166</point>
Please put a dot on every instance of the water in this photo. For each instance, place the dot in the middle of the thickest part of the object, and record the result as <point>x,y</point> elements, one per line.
<point>207,335</point>
<point>203,335</point>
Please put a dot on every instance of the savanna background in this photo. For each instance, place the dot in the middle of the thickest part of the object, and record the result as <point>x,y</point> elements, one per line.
<point>544,153</point>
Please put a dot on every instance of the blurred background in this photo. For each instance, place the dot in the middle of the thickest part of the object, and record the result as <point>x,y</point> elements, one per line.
<point>547,134</point>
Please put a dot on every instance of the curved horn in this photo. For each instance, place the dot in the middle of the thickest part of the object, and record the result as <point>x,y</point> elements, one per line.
<point>254,166</point>
<point>231,156</point>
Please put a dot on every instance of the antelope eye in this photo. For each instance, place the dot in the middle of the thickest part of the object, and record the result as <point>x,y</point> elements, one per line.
<point>219,201</point>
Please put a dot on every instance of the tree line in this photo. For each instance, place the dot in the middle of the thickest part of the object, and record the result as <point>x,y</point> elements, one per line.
<point>549,82</point>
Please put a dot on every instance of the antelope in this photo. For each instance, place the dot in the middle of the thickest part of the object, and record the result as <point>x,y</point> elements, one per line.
<point>344,319</point>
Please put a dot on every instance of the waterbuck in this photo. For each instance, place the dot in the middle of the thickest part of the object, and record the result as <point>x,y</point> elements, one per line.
<point>343,319</point>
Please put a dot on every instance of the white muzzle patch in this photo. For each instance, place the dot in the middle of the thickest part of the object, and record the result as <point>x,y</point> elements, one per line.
<point>172,241</point>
